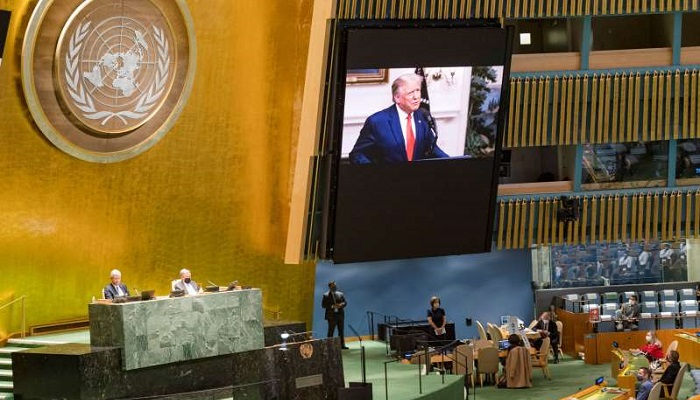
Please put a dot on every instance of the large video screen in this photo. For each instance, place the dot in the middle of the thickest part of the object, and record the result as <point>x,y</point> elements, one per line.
<point>415,126</point>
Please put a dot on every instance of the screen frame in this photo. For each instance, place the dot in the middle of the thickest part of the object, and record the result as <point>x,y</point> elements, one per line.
<point>330,148</point>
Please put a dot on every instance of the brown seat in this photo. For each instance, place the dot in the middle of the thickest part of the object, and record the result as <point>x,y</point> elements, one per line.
<point>488,363</point>
<point>673,395</point>
<point>541,359</point>
<point>464,362</point>
<point>655,391</point>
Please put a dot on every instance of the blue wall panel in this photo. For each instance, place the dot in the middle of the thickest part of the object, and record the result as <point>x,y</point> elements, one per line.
<point>482,287</point>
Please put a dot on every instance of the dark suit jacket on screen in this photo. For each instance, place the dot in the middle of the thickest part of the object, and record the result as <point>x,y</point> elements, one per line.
<point>111,292</point>
<point>381,139</point>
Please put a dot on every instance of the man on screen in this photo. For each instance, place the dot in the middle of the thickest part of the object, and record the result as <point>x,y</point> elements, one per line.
<point>398,133</point>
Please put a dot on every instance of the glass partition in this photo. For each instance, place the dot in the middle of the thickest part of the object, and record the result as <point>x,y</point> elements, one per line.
<point>607,264</point>
<point>625,165</point>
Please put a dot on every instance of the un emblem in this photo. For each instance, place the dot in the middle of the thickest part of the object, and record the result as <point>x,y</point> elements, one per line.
<point>119,75</point>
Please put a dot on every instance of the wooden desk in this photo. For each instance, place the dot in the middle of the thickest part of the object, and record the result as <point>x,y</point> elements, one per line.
<point>598,345</point>
<point>600,393</point>
<point>627,375</point>
<point>689,348</point>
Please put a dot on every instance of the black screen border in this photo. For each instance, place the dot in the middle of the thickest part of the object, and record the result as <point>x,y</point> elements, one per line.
<point>336,85</point>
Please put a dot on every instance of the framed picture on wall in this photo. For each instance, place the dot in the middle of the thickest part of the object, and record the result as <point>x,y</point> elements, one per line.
<point>368,75</point>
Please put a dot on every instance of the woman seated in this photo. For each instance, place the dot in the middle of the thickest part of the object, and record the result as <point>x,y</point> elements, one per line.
<point>652,349</point>
<point>518,368</point>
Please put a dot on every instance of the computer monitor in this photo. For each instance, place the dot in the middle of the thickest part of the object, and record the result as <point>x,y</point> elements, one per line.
<point>148,295</point>
<point>503,345</point>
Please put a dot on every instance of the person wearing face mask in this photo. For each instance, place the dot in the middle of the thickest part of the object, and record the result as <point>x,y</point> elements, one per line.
<point>186,284</point>
<point>628,316</point>
<point>653,348</point>
<point>334,303</point>
<point>547,328</point>
<point>645,384</point>
<point>437,318</point>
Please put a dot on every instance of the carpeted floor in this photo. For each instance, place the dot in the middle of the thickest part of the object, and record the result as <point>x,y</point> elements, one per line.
<point>568,377</point>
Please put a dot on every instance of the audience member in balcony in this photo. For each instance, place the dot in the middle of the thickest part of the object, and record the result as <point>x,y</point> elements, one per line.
<point>628,316</point>
<point>115,288</point>
<point>653,348</point>
<point>666,255</point>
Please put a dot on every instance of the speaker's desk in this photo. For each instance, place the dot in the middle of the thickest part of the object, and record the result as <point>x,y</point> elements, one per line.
<point>167,330</point>
<point>689,348</point>
<point>624,367</point>
<point>600,393</point>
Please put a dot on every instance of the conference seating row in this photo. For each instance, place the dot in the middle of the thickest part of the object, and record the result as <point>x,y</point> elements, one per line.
<point>574,302</point>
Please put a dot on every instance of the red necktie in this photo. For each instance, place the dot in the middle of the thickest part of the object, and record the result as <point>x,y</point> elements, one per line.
<point>410,138</point>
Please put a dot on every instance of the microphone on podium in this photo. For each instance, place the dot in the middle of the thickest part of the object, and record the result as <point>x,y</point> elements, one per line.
<point>213,287</point>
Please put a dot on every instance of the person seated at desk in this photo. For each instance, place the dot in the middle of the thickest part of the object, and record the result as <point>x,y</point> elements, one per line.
<point>671,371</point>
<point>644,377</point>
<point>518,367</point>
<point>547,328</point>
<point>186,284</point>
<point>652,349</point>
<point>116,288</point>
<point>628,316</point>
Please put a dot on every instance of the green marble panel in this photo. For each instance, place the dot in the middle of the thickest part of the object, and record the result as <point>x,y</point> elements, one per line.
<point>168,330</point>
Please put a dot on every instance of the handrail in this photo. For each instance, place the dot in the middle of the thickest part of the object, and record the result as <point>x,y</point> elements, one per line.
<point>275,313</point>
<point>24,313</point>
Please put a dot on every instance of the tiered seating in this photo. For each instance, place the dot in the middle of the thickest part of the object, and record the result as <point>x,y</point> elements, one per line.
<point>665,309</point>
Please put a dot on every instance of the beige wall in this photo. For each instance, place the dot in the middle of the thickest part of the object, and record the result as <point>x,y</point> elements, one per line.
<point>213,195</point>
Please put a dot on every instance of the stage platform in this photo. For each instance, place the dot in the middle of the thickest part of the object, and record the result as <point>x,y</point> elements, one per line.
<point>403,379</point>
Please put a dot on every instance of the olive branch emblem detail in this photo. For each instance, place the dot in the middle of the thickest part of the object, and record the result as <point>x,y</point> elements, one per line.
<point>82,98</point>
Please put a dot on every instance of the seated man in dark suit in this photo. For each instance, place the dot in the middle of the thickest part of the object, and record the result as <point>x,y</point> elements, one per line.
<point>398,133</point>
<point>628,316</point>
<point>547,328</point>
<point>671,371</point>
<point>116,288</point>
<point>186,284</point>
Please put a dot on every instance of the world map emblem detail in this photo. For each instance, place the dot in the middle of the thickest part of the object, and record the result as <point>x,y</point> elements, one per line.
<point>121,73</point>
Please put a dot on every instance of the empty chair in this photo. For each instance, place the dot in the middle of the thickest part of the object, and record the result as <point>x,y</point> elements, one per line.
<point>532,324</point>
<point>668,295</point>
<point>464,360</point>
<point>668,314</point>
<point>541,359</point>
<point>482,331</point>
<point>495,332</point>
<point>572,302</point>
<point>655,393</point>
<point>686,294</point>
<point>607,317</point>
<point>649,295</point>
<point>590,298</point>
<point>560,328</point>
<point>689,313</point>
<point>488,363</point>
<point>611,298</point>
<point>647,320</point>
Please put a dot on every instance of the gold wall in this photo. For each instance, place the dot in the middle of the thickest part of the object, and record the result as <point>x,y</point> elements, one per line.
<point>212,195</point>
